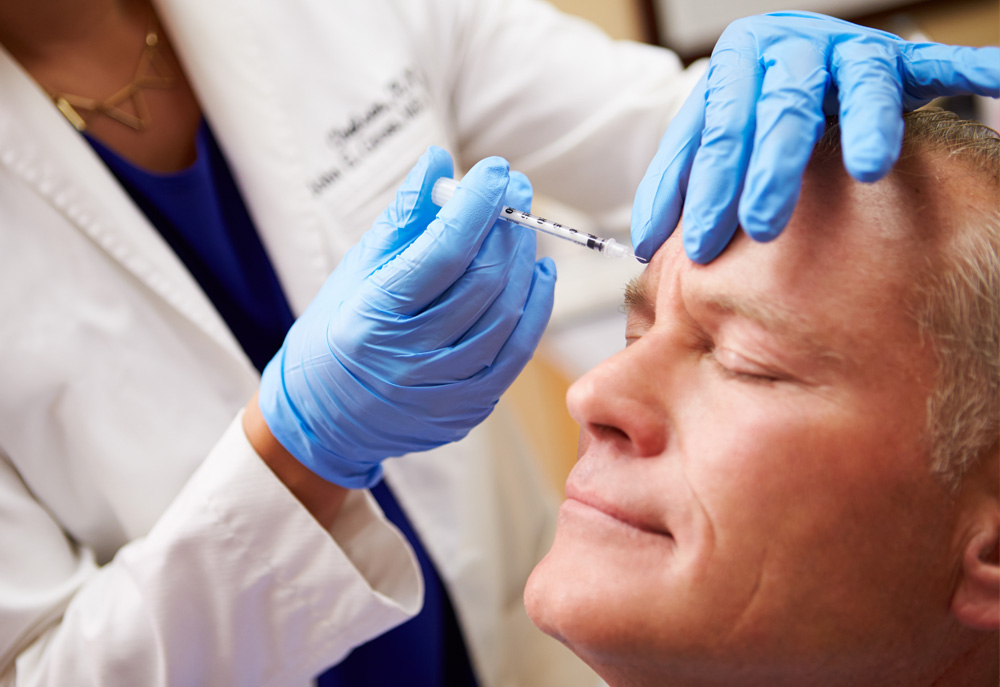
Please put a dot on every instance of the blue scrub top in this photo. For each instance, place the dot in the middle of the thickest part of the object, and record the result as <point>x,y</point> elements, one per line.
<point>200,213</point>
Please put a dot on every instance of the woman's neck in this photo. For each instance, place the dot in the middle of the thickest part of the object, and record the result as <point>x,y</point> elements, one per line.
<point>86,51</point>
<point>51,30</point>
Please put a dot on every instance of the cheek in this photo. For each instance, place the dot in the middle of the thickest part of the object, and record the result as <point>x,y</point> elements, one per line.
<point>766,462</point>
<point>833,510</point>
<point>753,454</point>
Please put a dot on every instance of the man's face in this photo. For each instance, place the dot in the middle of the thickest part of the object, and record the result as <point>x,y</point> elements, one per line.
<point>752,502</point>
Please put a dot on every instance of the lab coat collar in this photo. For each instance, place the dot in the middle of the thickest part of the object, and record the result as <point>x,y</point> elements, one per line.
<point>225,53</point>
<point>41,148</point>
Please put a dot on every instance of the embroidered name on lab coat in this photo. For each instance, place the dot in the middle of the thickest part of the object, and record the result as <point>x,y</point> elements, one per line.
<point>370,128</point>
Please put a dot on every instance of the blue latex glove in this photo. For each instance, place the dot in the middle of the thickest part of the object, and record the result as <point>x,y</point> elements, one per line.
<point>747,130</point>
<point>416,334</point>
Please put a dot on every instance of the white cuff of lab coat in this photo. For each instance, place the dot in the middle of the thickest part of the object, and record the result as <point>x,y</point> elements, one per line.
<point>236,584</point>
<point>338,589</point>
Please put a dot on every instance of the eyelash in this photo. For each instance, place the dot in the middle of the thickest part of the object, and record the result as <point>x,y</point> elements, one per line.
<point>747,377</point>
<point>706,347</point>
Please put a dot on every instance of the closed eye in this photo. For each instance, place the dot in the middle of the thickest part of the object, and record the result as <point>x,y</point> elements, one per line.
<point>733,365</point>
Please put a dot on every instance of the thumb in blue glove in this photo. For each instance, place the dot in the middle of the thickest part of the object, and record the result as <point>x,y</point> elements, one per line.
<point>417,333</point>
<point>736,152</point>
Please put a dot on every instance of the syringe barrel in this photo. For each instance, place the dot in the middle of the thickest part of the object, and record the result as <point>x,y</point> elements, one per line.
<point>443,190</point>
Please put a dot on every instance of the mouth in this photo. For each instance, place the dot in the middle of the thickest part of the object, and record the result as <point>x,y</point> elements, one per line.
<point>589,504</point>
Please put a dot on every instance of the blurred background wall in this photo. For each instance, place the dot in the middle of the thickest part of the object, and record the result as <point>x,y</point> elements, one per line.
<point>690,27</point>
<point>587,324</point>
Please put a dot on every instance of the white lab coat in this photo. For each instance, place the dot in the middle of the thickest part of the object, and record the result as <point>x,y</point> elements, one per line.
<point>142,542</point>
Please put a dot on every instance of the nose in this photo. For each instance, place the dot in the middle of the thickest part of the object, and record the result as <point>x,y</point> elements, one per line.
<point>622,402</point>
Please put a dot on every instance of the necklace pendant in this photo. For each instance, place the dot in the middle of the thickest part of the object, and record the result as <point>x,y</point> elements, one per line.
<point>153,71</point>
<point>72,115</point>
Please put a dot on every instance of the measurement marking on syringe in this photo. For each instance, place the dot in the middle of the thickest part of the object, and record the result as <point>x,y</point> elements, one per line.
<point>444,188</point>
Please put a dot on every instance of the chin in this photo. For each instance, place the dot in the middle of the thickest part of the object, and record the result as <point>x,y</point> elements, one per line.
<point>545,599</point>
<point>596,588</point>
<point>574,603</point>
<point>578,620</point>
<point>559,612</point>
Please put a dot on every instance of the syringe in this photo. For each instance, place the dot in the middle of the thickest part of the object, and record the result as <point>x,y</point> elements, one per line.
<point>444,188</point>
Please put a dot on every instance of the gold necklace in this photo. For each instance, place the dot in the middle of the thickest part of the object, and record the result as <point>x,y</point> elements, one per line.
<point>151,72</point>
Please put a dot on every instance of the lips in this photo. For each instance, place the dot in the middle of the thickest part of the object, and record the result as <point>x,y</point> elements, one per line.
<point>630,518</point>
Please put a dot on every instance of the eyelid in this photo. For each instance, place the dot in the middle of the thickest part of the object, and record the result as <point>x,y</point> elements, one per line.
<point>632,335</point>
<point>738,364</point>
<point>638,321</point>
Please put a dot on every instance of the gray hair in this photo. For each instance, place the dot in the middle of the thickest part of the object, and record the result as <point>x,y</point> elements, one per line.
<point>957,297</point>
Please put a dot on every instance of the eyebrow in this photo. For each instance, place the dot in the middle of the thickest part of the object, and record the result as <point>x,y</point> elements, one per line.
<point>637,296</point>
<point>772,318</point>
<point>766,314</point>
<point>769,316</point>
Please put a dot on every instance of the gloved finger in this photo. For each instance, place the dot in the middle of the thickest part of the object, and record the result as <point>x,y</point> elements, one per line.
<point>507,251</point>
<point>441,254</point>
<point>519,192</point>
<point>481,343</point>
<point>790,120</point>
<point>720,165</point>
<point>521,345</point>
<point>931,70</point>
<point>519,197</point>
<point>456,337</point>
<point>409,213</point>
<point>659,198</point>
<point>865,70</point>
<point>487,298</point>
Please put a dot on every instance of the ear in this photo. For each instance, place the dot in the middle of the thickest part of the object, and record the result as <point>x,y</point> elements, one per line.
<point>976,601</point>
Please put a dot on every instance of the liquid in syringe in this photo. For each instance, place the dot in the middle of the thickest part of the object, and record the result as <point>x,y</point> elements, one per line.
<point>444,188</point>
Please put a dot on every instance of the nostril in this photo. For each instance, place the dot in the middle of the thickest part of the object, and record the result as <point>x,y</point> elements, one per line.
<point>609,432</point>
<point>614,404</point>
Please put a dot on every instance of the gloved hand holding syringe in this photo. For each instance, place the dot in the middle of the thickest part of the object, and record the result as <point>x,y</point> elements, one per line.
<point>445,187</point>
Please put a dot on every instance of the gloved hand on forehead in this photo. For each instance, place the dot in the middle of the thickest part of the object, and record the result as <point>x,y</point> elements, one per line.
<point>736,152</point>
<point>416,334</point>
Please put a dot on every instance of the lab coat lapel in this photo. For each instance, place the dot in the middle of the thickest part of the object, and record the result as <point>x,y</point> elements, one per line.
<point>226,58</point>
<point>38,145</point>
